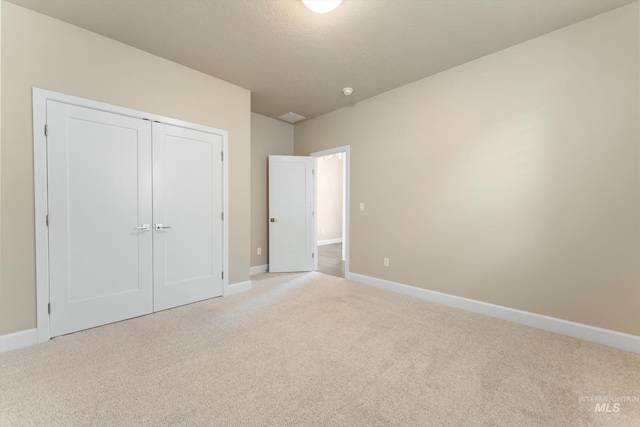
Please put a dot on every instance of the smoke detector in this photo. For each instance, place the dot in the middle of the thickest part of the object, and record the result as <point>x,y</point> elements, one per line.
<point>347,91</point>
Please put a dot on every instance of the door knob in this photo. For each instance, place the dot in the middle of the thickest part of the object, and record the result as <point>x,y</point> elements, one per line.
<point>144,227</point>
<point>162,227</point>
<point>273,220</point>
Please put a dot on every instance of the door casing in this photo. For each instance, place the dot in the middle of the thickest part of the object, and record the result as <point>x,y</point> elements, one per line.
<point>40,98</point>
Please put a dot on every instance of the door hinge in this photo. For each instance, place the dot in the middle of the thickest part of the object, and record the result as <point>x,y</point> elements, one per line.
<point>46,219</point>
<point>46,131</point>
<point>313,171</point>
<point>222,156</point>
<point>313,255</point>
<point>313,213</point>
<point>223,274</point>
<point>49,308</point>
<point>222,216</point>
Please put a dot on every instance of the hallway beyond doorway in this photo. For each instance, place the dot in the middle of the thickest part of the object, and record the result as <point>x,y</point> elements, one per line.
<point>330,260</point>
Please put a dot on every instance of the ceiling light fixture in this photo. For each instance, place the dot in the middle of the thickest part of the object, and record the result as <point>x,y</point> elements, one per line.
<point>347,91</point>
<point>322,6</point>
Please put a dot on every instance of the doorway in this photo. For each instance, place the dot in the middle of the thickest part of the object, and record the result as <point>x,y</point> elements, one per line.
<point>332,210</point>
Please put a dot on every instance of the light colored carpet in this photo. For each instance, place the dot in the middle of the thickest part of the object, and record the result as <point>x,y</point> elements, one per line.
<point>311,349</point>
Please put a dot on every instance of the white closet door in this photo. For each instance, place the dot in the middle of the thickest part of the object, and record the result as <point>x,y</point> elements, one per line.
<point>99,177</point>
<point>187,209</point>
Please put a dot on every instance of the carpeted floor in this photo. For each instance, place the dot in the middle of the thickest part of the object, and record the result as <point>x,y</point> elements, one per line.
<point>311,349</point>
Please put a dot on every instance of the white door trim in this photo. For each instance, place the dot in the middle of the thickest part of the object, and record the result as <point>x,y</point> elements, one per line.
<point>40,98</point>
<point>346,149</point>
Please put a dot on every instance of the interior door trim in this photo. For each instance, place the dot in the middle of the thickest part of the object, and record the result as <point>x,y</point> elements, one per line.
<point>40,98</point>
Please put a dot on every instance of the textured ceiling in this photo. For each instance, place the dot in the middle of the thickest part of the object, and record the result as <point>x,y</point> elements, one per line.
<point>295,60</point>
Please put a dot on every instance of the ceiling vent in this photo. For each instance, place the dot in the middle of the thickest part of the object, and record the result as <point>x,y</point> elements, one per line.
<point>291,117</point>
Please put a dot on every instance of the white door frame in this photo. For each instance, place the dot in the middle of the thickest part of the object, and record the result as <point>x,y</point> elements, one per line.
<point>40,98</point>
<point>346,149</point>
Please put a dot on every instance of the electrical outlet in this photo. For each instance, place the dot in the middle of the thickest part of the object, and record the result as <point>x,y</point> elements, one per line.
<point>259,251</point>
<point>386,262</point>
<point>361,206</point>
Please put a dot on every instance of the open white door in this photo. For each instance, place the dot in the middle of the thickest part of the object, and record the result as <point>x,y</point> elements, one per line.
<point>291,213</point>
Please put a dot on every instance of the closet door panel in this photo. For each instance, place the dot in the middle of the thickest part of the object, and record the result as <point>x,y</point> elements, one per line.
<point>187,215</point>
<point>99,173</point>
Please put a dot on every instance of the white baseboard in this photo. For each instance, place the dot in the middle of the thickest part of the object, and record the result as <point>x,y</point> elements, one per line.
<point>607,337</point>
<point>18,340</point>
<point>258,269</point>
<point>329,241</point>
<point>236,288</point>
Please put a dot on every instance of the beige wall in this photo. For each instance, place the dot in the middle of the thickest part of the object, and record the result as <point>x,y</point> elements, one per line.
<point>329,197</point>
<point>38,51</point>
<point>513,179</point>
<point>268,137</point>
<point>1,293</point>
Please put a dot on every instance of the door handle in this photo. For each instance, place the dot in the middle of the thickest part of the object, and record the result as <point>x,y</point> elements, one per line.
<point>144,227</point>
<point>162,227</point>
<point>274,220</point>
